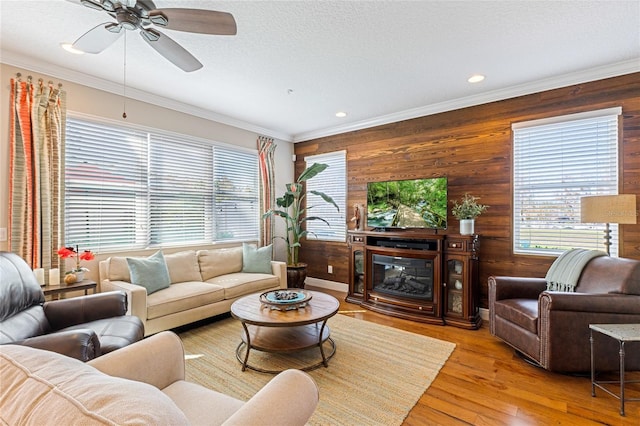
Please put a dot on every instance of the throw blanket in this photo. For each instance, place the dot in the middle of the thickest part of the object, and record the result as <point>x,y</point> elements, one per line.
<point>564,273</point>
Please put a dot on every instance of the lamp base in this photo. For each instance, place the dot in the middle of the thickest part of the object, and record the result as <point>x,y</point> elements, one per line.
<point>607,238</point>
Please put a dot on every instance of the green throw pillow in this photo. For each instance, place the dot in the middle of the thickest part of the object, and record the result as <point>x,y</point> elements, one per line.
<point>256,259</point>
<point>151,273</point>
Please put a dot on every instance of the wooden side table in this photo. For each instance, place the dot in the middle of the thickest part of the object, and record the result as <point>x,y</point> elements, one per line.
<point>57,290</point>
<point>622,333</point>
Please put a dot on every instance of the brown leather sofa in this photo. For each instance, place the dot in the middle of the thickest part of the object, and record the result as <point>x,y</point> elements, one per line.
<point>81,327</point>
<point>551,328</point>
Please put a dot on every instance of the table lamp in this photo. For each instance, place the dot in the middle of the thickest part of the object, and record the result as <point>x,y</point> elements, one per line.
<point>608,209</point>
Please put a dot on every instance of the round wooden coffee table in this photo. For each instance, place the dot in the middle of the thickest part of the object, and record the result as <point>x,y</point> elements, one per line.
<point>272,330</point>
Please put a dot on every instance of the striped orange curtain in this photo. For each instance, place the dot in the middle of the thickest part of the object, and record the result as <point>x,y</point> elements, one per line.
<point>266,149</point>
<point>37,129</point>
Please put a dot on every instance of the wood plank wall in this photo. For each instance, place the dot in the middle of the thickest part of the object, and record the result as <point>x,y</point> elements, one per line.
<point>473,148</point>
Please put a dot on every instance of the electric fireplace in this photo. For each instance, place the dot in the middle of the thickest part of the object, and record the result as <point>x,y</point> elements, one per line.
<point>405,277</point>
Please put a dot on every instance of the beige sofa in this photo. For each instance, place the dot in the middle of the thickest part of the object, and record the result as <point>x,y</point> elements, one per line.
<point>142,384</point>
<point>204,283</point>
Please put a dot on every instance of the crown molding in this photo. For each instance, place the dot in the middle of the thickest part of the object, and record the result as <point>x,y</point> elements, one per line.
<point>592,74</point>
<point>63,73</point>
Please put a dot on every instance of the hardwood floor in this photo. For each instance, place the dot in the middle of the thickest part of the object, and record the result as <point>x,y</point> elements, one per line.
<point>485,383</point>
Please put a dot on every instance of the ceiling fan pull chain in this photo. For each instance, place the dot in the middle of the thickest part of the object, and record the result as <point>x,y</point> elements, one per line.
<point>124,80</point>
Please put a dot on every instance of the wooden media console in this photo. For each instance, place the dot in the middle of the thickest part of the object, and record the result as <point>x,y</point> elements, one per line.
<point>415,275</point>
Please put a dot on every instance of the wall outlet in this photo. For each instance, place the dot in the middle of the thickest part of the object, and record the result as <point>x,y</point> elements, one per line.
<point>3,234</point>
<point>330,269</point>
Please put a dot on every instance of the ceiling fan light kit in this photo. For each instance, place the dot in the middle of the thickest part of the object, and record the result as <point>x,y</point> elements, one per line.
<point>142,15</point>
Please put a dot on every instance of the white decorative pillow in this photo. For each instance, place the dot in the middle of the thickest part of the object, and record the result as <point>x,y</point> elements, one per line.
<point>183,266</point>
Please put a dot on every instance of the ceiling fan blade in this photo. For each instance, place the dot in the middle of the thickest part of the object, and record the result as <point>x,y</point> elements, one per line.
<point>197,21</point>
<point>167,47</point>
<point>98,38</point>
<point>147,4</point>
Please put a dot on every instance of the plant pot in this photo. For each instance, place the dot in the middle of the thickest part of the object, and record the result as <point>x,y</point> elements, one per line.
<point>79,276</point>
<point>467,226</point>
<point>296,274</point>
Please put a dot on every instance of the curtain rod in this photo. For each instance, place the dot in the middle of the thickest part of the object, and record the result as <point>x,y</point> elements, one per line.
<point>19,75</point>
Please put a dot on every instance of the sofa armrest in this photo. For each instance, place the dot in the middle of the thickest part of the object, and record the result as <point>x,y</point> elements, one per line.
<point>501,288</point>
<point>290,398</point>
<point>280,270</point>
<point>82,344</point>
<point>157,360</point>
<point>79,310</point>
<point>136,296</point>
<point>608,303</point>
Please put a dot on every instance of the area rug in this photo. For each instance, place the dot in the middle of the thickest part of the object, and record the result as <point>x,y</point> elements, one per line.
<point>375,378</point>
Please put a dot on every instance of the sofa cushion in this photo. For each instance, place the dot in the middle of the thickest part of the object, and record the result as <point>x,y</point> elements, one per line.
<point>256,259</point>
<point>20,289</point>
<point>523,312</point>
<point>189,397</point>
<point>182,297</point>
<point>597,276</point>
<point>183,266</point>
<point>43,387</point>
<point>28,323</point>
<point>151,273</point>
<point>239,284</point>
<point>218,262</point>
<point>118,269</point>
<point>113,333</point>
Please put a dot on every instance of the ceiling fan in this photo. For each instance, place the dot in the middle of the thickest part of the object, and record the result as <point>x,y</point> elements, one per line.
<point>142,16</point>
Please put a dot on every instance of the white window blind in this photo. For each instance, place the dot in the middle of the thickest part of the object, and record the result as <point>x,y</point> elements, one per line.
<point>333,182</point>
<point>180,191</point>
<point>236,188</point>
<point>129,188</point>
<point>556,162</point>
<point>105,202</point>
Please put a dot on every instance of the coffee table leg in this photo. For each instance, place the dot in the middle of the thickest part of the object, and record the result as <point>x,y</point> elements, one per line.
<point>325,362</point>
<point>248,344</point>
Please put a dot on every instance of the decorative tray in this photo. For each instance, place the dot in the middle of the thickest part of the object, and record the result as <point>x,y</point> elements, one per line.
<point>285,300</point>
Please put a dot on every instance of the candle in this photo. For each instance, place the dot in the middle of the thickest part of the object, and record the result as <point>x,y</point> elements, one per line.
<point>39,273</point>
<point>54,276</point>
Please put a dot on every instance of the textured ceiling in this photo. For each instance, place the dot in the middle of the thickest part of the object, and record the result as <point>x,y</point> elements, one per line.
<point>294,64</point>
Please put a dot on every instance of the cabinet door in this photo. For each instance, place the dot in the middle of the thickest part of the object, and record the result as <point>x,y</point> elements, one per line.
<point>357,268</point>
<point>358,272</point>
<point>455,284</point>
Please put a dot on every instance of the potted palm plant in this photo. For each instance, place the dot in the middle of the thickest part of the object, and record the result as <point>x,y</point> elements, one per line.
<point>466,212</point>
<point>293,211</point>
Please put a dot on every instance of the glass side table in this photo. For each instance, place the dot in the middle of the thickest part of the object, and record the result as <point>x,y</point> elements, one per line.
<point>622,333</point>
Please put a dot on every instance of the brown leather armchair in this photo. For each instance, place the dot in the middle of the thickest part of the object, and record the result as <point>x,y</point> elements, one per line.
<point>82,327</point>
<point>551,328</point>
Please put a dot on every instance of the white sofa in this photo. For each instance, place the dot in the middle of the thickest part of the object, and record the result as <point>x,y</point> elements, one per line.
<point>141,384</point>
<point>204,283</point>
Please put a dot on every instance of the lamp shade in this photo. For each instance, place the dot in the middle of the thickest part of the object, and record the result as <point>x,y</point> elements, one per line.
<point>608,209</point>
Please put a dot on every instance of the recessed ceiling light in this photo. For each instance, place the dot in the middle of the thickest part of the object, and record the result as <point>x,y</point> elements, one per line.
<point>476,78</point>
<point>341,114</point>
<point>69,48</point>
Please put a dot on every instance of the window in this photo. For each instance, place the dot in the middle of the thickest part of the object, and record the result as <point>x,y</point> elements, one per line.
<point>132,188</point>
<point>556,162</point>
<point>333,182</point>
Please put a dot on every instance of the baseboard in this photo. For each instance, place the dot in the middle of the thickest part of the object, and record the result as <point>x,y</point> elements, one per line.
<point>329,285</point>
<point>484,314</point>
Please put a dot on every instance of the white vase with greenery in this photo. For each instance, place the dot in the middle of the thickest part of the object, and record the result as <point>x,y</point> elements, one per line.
<point>466,212</point>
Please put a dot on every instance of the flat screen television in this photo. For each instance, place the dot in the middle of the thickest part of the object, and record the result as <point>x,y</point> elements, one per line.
<point>415,203</point>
